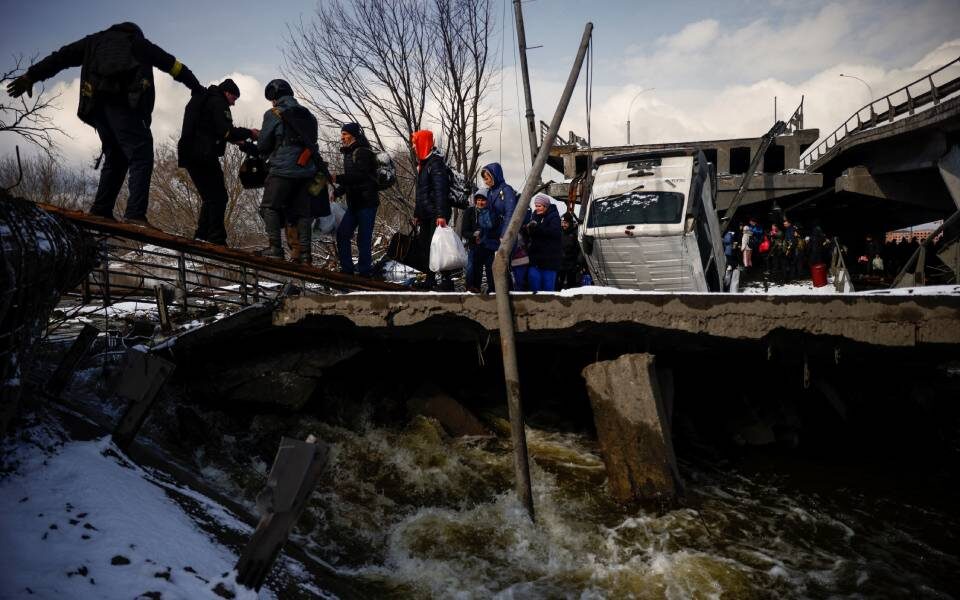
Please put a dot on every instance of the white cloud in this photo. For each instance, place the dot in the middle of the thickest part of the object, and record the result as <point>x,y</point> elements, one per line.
<point>693,36</point>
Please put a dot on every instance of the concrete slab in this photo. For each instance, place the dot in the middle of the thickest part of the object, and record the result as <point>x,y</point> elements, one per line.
<point>891,321</point>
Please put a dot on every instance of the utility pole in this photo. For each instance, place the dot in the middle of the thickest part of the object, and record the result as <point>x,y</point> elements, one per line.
<point>501,266</point>
<point>522,41</point>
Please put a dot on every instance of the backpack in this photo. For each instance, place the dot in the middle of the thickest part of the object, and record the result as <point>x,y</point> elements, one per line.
<point>386,171</point>
<point>112,67</point>
<point>386,174</point>
<point>300,128</point>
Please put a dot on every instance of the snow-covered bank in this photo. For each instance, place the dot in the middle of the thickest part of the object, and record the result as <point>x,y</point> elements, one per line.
<point>79,520</point>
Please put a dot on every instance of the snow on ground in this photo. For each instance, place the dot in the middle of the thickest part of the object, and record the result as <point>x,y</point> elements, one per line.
<point>121,309</point>
<point>80,521</point>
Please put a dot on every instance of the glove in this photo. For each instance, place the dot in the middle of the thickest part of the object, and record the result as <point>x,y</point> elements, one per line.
<point>18,86</point>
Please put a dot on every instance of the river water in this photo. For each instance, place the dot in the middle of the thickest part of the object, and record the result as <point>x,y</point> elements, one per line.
<point>411,513</point>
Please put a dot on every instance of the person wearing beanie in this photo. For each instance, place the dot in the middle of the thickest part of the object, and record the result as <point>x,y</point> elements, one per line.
<point>432,207</point>
<point>288,140</point>
<point>116,98</point>
<point>545,247</point>
<point>572,263</point>
<point>358,184</point>
<point>207,127</point>
<point>481,228</point>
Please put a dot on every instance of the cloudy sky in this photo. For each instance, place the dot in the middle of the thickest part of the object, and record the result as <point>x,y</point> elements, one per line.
<point>715,66</point>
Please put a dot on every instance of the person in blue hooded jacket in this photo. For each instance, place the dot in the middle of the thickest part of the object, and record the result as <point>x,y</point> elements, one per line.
<point>545,246</point>
<point>502,200</point>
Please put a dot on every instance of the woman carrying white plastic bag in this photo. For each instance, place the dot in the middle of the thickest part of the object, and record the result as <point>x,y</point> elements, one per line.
<point>446,251</point>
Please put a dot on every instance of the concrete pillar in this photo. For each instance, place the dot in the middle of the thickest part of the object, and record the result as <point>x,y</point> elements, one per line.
<point>950,172</point>
<point>633,428</point>
<point>723,159</point>
<point>791,151</point>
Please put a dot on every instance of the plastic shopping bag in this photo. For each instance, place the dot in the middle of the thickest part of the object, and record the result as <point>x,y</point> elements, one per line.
<point>446,250</point>
<point>328,225</point>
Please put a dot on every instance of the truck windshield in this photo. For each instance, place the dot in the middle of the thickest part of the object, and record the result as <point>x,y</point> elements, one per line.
<point>636,208</point>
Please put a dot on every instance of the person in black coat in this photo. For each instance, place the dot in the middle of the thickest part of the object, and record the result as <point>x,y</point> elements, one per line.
<point>116,98</point>
<point>432,208</point>
<point>572,263</point>
<point>207,127</point>
<point>358,182</point>
<point>545,247</point>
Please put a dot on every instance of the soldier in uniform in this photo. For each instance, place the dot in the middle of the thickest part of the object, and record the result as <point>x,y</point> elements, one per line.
<point>116,98</point>
<point>207,127</point>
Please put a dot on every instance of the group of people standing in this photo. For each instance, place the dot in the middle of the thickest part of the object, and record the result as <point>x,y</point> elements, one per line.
<point>546,256</point>
<point>117,99</point>
<point>785,252</point>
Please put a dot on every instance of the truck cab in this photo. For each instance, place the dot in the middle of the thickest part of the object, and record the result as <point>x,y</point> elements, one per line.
<point>650,223</point>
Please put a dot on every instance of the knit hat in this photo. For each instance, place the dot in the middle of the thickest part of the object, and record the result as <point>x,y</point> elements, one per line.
<point>353,129</point>
<point>481,193</point>
<point>568,218</point>
<point>228,85</point>
<point>543,199</point>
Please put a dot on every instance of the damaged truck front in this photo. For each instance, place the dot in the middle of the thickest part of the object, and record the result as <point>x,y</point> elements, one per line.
<point>650,223</point>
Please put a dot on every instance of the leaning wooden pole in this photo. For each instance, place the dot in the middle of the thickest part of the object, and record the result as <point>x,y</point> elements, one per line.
<point>501,266</point>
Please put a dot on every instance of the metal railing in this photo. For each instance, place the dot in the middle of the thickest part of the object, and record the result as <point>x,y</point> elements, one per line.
<point>905,100</point>
<point>129,271</point>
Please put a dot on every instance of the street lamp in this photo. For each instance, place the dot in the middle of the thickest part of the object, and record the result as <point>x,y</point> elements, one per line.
<point>630,110</point>
<point>869,89</point>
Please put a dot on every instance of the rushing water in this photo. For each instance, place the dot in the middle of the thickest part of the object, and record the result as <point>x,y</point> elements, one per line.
<point>410,513</point>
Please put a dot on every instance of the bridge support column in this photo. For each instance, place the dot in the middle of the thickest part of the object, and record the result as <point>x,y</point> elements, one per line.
<point>633,427</point>
<point>950,172</point>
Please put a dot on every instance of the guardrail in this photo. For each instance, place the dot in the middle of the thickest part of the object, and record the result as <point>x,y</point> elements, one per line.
<point>905,100</point>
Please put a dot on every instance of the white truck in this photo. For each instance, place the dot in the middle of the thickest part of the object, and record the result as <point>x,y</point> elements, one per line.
<point>650,223</point>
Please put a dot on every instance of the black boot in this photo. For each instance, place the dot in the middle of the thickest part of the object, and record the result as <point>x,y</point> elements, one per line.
<point>305,233</point>
<point>272,222</point>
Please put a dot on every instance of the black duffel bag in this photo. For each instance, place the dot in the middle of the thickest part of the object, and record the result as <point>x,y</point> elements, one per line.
<point>407,249</point>
<point>253,172</point>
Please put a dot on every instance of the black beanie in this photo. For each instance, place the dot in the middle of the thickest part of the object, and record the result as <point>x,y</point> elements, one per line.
<point>228,85</point>
<point>353,129</point>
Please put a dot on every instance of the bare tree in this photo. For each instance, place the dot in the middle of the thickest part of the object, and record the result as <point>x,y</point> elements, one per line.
<point>378,74</point>
<point>28,117</point>
<point>47,180</point>
<point>464,28</point>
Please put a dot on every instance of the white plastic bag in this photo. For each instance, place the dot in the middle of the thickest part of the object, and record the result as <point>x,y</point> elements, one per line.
<point>328,225</point>
<point>446,250</point>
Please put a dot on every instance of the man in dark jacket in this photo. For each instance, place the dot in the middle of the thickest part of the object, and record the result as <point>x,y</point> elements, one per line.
<point>572,263</point>
<point>286,199</point>
<point>207,127</point>
<point>545,247</point>
<point>116,98</point>
<point>432,209</point>
<point>358,182</point>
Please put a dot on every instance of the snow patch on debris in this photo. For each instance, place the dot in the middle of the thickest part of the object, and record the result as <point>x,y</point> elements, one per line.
<point>80,521</point>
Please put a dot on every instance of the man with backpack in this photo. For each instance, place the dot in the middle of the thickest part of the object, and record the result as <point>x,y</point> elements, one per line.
<point>432,207</point>
<point>288,137</point>
<point>116,98</point>
<point>359,183</point>
<point>207,127</point>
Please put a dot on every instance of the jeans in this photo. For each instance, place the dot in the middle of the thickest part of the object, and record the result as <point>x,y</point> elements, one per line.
<point>541,280</point>
<point>520,278</point>
<point>482,262</point>
<point>352,220</point>
<point>127,146</point>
